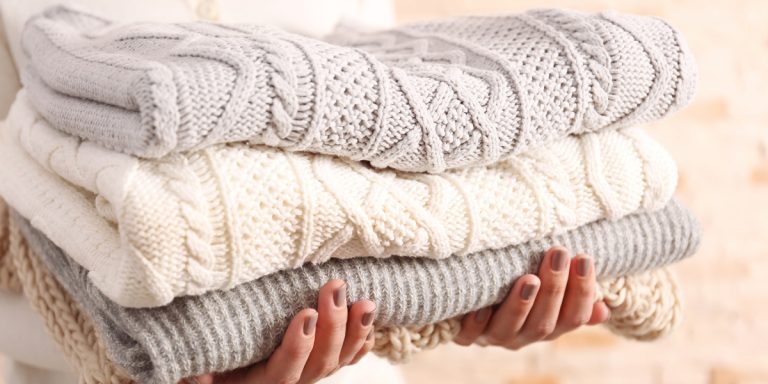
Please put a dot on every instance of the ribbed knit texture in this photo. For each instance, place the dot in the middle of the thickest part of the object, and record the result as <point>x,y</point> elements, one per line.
<point>8,280</point>
<point>645,306</point>
<point>424,97</point>
<point>71,329</point>
<point>150,230</point>
<point>222,330</point>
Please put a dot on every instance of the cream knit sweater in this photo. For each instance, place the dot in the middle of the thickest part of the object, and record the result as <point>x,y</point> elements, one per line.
<point>150,230</point>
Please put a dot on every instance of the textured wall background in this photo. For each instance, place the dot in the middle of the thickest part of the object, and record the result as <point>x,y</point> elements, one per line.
<point>721,145</point>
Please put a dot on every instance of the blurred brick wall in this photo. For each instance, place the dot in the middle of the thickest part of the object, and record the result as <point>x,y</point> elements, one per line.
<point>721,145</point>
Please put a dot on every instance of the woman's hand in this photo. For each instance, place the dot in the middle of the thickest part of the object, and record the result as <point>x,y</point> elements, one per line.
<point>316,343</point>
<point>559,300</point>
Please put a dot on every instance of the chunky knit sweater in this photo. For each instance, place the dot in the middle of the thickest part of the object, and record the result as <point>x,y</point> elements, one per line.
<point>222,330</point>
<point>425,97</point>
<point>150,230</point>
<point>644,306</point>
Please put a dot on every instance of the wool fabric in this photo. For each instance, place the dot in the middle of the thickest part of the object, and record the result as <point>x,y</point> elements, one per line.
<point>222,330</point>
<point>151,230</point>
<point>425,97</point>
<point>71,329</point>
<point>8,279</point>
<point>644,306</point>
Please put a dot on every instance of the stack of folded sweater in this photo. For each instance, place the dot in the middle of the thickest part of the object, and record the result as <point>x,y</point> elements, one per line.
<point>191,186</point>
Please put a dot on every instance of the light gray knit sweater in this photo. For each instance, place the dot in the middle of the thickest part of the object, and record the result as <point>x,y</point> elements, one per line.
<point>223,330</point>
<point>425,97</point>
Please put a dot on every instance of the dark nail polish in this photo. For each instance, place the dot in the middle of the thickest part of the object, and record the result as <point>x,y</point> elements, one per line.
<point>482,315</point>
<point>340,296</point>
<point>527,292</point>
<point>309,324</point>
<point>583,266</point>
<point>559,260</point>
<point>367,319</point>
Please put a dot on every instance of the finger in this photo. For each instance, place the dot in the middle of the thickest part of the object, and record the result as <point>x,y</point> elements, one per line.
<point>542,319</point>
<point>510,317</point>
<point>600,313</point>
<point>331,328</point>
<point>202,379</point>
<point>367,346</point>
<point>287,362</point>
<point>359,325</point>
<point>579,296</point>
<point>472,326</point>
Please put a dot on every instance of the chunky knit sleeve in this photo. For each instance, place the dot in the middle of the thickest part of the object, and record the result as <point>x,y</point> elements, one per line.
<point>425,97</point>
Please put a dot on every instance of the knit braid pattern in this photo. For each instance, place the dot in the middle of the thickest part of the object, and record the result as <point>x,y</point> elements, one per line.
<point>9,281</point>
<point>71,329</point>
<point>426,97</point>
<point>644,307</point>
<point>164,344</point>
<point>152,230</point>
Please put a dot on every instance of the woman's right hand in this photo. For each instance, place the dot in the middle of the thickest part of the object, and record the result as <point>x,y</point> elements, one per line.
<point>316,344</point>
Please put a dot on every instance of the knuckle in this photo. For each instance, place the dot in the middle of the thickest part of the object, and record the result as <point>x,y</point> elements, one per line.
<point>542,330</point>
<point>520,311</point>
<point>585,289</point>
<point>494,339</point>
<point>462,340</point>
<point>575,321</point>
<point>326,368</point>
<point>516,346</point>
<point>290,379</point>
<point>553,289</point>
<point>338,327</point>
<point>298,351</point>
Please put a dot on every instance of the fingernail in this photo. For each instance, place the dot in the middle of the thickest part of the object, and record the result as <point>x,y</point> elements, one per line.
<point>340,296</point>
<point>482,315</point>
<point>309,324</point>
<point>559,259</point>
<point>370,336</point>
<point>367,319</point>
<point>528,290</point>
<point>583,266</point>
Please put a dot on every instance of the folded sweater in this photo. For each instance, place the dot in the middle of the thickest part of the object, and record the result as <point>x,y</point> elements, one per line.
<point>222,330</point>
<point>425,97</point>
<point>151,230</point>
<point>645,306</point>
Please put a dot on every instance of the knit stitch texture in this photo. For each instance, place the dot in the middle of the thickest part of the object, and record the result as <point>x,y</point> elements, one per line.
<point>424,97</point>
<point>71,329</point>
<point>8,279</point>
<point>644,306</point>
<point>222,330</point>
<point>151,230</point>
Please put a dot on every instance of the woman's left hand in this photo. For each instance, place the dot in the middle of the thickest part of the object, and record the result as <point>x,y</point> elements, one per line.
<point>559,300</point>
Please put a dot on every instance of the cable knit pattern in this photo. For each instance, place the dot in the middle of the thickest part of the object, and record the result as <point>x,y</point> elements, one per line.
<point>424,97</point>
<point>222,330</point>
<point>150,230</point>
<point>654,291</point>
<point>8,279</point>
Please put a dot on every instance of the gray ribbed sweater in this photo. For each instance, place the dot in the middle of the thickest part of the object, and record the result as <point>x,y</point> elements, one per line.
<point>425,97</point>
<point>222,330</point>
